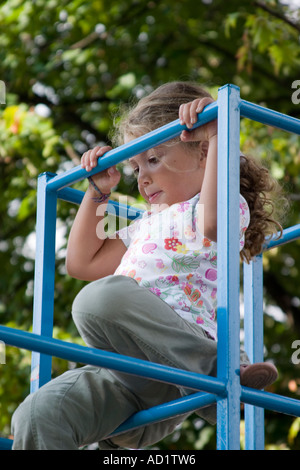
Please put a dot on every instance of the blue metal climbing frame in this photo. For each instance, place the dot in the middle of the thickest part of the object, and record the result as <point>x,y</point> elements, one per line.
<point>225,389</point>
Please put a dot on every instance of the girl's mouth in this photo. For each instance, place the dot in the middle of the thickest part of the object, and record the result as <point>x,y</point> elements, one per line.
<point>153,196</point>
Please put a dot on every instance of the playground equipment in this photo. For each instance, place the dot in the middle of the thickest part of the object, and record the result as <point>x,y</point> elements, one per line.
<point>225,389</point>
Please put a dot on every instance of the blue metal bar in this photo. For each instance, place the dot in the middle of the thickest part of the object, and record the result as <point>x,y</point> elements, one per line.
<point>116,208</point>
<point>271,401</point>
<point>43,278</point>
<point>254,345</point>
<point>165,411</point>
<point>269,117</point>
<point>109,360</point>
<point>75,196</point>
<point>142,144</point>
<point>289,235</point>
<point>122,210</point>
<point>5,444</point>
<point>228,425</point>
<point>72,195</point>
<point>169,131</point>
<point>153,415</point>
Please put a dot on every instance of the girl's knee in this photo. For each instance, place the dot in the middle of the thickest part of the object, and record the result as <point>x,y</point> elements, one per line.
<point>21,428</point>
<point>103,298</point>
<point>115,301</point>
<point>29,420</point>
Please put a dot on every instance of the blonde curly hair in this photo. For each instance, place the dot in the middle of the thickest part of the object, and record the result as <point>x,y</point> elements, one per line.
<point>267,204</point>
<point>262,193</point>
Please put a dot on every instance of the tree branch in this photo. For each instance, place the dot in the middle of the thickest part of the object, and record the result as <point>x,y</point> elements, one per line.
<point>277,14</point>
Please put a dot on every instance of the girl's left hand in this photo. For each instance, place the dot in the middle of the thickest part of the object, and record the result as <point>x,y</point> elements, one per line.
<point>188,115</point>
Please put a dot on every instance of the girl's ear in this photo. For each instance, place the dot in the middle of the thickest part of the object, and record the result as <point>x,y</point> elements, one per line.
<point>203,147</point>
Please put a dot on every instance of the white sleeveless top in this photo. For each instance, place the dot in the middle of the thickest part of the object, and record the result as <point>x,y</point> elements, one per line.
<point>168,255</point>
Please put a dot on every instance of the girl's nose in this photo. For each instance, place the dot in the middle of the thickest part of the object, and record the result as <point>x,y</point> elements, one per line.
<point>144,177</point>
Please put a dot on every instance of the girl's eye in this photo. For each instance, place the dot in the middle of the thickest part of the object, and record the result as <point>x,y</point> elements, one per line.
<point>153,160</point>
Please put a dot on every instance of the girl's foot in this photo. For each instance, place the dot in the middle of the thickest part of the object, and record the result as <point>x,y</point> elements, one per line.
<point>258,375</point>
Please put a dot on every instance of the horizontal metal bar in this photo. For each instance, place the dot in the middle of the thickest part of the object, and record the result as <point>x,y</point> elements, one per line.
<point>123,152</point>
<point>133,366</point>
<point>289,235</point>
<point>129,365</point>
<point>130,212</point>
<point>269,117</point>
<point>167,132</point>
<point>165,411</point>
<point>196,401</point>
<point>122,210</point>
<point>72,195</point>
<point>153,415</point>
<point>270,401</point>
<point>5,444</point>
<point>114,207</point>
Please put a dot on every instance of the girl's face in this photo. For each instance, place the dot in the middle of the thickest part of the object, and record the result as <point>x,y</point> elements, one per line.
<point>168,174</point>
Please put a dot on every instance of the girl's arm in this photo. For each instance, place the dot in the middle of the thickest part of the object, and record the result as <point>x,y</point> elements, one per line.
<point>207,136</point>
<point>90,255</point>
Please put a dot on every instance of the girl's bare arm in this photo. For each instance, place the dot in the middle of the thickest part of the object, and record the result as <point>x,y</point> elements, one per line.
<point>208,137</point>
<point>90,255</point>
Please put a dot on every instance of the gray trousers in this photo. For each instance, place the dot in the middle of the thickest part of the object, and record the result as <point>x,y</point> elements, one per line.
<point>87,404</point>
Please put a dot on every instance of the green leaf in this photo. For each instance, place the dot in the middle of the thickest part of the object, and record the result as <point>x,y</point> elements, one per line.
<point>230,22</point>
<point>184,263</point>
<point>294,430</point>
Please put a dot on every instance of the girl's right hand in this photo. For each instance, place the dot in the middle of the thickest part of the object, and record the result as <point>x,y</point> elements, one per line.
<point>105,180</point>
<point>188,114</point>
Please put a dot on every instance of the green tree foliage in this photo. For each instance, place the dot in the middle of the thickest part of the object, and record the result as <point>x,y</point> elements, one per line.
<point>67,66</point>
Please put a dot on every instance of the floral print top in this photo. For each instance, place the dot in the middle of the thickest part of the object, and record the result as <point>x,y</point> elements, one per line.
<point>168,255</point>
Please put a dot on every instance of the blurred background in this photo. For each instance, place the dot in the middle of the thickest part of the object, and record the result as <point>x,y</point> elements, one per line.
<point>68,66</point>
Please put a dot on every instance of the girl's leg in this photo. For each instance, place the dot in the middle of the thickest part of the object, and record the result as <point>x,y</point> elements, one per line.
<point>116,314</point>
<point>81,407</point>
<point>85,405</point>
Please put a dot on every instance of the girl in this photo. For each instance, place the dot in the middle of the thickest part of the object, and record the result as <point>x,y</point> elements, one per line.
<point>153,294</point>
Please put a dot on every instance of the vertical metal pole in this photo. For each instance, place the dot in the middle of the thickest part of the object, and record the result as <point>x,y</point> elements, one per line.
<point>43,278</point>
<point>228,409</point>
<point>254,345</point>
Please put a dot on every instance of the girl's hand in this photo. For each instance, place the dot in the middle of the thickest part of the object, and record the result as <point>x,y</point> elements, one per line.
<point>188,115</point>
<point>105,180</point>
